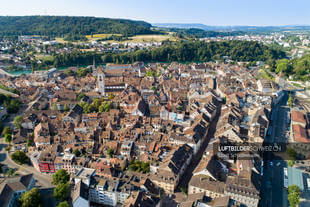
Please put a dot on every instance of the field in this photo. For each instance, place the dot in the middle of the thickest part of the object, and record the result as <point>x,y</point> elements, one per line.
<point>99,36</point>
<point>137,38</point>
<point>152,38</point>
<point>45,57</point>
<point>60,39</point>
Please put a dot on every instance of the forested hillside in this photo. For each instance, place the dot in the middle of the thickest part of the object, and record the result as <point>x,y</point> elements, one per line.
<point>299,68</point>
<point>200,33</point>
<point>65,25</point>
<point>173,51</point>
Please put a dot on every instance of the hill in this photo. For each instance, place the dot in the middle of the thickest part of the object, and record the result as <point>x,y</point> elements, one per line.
<point>200,33</point>
<point>67,25</point>
<point>245,28</point>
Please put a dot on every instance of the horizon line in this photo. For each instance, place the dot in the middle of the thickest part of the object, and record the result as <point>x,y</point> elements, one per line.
<point>152,23</point>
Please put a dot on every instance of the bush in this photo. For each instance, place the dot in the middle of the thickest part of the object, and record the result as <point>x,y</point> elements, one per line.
<point>8,138</point>
<point>293,195</point>
<point>8,148</point>
<point>290,163</point>
<point>137,165</point>
<point>20,157</point>
<point>110,152</point>
<point>63,204</point>
<point>77,153</point>
<point>291,153</point>
<point>10,172</point>
<point>7,130</point>
<point>18,121</point>
<point>29,142</point>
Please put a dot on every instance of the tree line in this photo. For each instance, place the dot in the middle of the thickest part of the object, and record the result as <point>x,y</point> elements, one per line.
<point>69,26</point>
<point>181,51</point>
<point>200,33</point>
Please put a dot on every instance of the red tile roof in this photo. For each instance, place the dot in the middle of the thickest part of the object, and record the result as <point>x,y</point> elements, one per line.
<point>300,134</point>
<point>298,116</point>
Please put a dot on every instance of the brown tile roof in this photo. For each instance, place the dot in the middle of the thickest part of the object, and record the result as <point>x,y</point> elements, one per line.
<point>300,134</point>
<point>298,116</point>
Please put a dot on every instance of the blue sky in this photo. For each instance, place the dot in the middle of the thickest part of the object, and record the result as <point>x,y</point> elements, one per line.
<point>209,12</point>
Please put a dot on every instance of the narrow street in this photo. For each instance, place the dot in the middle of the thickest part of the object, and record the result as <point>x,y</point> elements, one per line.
<point>273,192</point>
<point>196,159</point>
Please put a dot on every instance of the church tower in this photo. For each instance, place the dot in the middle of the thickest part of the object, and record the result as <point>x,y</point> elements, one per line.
<point>100,81</point>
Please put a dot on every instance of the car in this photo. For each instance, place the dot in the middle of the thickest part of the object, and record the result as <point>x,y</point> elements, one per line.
<point>271,163</point>
<point>279,163</point>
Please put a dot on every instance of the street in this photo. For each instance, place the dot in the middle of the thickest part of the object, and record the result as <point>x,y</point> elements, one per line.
<point>272,192</point>
<point>43,180</point>
<point>196,159</point>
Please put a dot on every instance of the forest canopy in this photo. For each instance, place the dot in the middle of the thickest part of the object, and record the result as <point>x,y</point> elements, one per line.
<point>182,51</point>
<point>299,68</point>
<point>68,26</point>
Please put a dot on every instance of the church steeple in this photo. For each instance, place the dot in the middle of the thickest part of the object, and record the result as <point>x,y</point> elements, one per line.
<point>100,81</point>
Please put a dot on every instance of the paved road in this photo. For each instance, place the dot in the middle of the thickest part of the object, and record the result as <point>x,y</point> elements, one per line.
<point>5,92</point>
<point>273,193</point>
<point>3,72</point>
<point>43,180</point>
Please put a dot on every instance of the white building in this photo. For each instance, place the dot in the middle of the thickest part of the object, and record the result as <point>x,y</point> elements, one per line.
<point>100,81</point>
<point>109,192</point>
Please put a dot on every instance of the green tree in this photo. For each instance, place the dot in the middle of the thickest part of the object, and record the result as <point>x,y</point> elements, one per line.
<point>18,121</point>
<point>291,153</point>
<point>69,72</point>
<point>10,172</point>
<point>55,107</point>
<point>293,195</point>
<point>105,106</point>
<point>8,148</point>
<point>29,142</point>
<point>290,100</point>
<point>81,96</point>
<point>111,96</point>
<point>76,152</point>
<point>20,157</point>
<point>284,66</point>
<point>66,107</point>
<point>290,163</point>
<point>61,191</point>
<point>110,152</point>
<point>8,138</point>
<point>184,190</point>
<point>63,204</point>
<point>137,165</point>
<point>82,72</point>
<point>31,198</point>
<point>61,176</point>
<point>6,130</point>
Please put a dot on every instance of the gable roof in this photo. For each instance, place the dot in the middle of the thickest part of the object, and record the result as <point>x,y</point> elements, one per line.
<point>11,185</point>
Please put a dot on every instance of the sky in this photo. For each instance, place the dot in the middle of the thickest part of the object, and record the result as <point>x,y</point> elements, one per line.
<point>208,12</point>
